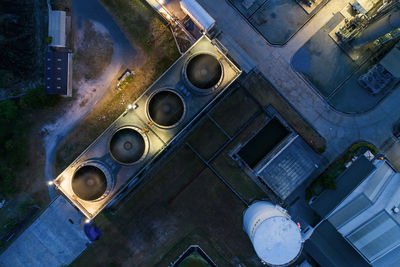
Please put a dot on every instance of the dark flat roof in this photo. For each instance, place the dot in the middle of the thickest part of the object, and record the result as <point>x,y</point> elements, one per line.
<point>329,248</point>
<point>345,184</point>
<point>56,73</point>
<point>263,142</point>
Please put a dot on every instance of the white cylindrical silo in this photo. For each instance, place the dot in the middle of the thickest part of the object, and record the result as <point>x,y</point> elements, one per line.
<point>275,237</point>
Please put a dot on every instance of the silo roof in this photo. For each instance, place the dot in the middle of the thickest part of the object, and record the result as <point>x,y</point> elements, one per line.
<point>277,240</point>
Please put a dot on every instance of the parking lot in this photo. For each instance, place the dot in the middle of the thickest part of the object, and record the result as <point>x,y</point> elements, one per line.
<point>333,73</point>
<point>276,20</point>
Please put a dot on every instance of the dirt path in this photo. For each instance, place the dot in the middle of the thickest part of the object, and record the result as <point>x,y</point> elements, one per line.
<point>89,93</point>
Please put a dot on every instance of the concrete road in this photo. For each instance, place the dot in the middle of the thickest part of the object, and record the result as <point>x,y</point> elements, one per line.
<point>54,239</point>
<point>340,130</point>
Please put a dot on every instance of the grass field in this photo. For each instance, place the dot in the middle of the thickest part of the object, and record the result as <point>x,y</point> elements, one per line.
<point>183,204</point>
<point>232,173</point>
<point>266,95</point>
<point>207,139</point>
<point>232,114</point>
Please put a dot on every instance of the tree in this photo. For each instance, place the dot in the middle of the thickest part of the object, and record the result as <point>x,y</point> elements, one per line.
<point>8,111</point>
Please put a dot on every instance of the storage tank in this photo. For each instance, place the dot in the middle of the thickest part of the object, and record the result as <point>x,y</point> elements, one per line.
<point>128,145</point>
<point>166,108</point>
<point>275,237</point>
<point>198,14</point>
<point>92,181</point>
<point>203,73</point>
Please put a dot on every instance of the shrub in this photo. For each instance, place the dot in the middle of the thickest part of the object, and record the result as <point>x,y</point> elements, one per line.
<point>8,111</point>
<point>37,98</point>
<point>7,181</point>
<point>48,40</point>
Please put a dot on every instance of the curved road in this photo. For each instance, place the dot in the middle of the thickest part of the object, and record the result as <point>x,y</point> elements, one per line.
<point>124,56</point>
<point>340,130</point>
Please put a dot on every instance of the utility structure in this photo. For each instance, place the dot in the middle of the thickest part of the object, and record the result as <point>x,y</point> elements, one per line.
<point>275,237</point>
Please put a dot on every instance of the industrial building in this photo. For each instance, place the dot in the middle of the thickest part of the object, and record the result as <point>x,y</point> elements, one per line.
<point>364,210</point>
<point>120,156</point>
<point>58,73</point>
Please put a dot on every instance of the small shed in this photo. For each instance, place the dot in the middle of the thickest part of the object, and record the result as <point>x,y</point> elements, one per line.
<point>198,14</point>
<point>58,73</point>
<point>57,21</point>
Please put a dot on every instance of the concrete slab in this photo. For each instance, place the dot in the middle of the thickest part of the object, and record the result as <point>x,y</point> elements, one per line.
<point>52,240</point>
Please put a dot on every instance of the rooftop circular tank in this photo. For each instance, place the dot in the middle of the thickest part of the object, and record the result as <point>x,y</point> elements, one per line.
<point>276,238</point>
<point>203,72</point>
<point>91,182</point>
<point>127,145</point>
<point>166,108</point>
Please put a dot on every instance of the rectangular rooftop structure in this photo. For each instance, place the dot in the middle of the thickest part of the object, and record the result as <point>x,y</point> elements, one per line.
<point>121,155</point>
<point>198,14</point>
<point>278,157</point>
<point>290,167</point>
<point>330,249</point>
<point>263,142</point>
<point>367,216</point>
<point>328,200</point>
<point>391,61</point>
<point>58,73</point>
<point>57,21</point>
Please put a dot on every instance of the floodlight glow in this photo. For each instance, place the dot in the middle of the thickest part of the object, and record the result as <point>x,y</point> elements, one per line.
<point>50,183</point>
<point>130,107</point>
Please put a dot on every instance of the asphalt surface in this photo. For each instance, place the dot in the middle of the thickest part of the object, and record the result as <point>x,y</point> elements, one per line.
<point>339,129</point>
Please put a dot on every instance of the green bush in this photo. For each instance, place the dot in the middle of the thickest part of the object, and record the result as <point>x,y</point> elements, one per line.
<point>48,40</point>
<point>13,134</point>
<point>6,78</point>
<point>328,182</point>
<point>354,148</point>
<point>36,98</point>
<point>7,181</point>
<point>8,111</point>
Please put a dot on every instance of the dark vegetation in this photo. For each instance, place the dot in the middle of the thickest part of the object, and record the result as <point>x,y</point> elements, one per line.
<point>13,134</point>
<point>327,179</point>
<point>22,41</point>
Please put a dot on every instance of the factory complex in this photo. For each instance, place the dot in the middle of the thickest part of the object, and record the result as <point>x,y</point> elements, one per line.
<point>272,141</point>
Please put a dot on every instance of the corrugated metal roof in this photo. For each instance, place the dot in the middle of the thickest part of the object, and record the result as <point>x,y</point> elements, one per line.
<point>295,163</point>
<point>353,208</point>
<point>377,237</point>
<point>198,14</point>
<point>57,28</point>
<point>378,181</point>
